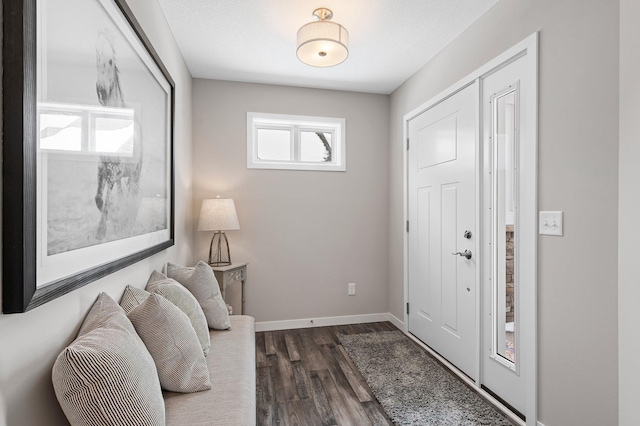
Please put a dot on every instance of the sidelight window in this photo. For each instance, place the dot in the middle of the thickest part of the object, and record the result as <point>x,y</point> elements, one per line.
<point>505,227</point>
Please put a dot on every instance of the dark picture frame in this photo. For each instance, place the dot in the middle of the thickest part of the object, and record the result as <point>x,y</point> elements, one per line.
<point>23,288</point>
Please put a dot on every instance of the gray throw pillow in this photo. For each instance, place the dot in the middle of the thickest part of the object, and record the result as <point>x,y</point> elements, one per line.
<point>132,297</point>
<point>175,293</point>
<point>106,375</point>
<point>202,283</point>
<point>173,344</point>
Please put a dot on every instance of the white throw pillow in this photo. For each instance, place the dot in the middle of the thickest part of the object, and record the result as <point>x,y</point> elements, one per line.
<point>173,344</point>
<point>106,375</point>
<point>202,283</point>
<point>175,293</point>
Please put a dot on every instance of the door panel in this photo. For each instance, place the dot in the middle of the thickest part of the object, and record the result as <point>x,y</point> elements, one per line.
<point>442,205</point>
<point>449,263</point>
<point>424,252</point>
<point>439,143</point>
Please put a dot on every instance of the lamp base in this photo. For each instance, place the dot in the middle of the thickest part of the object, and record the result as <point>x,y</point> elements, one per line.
<point>219,254</point>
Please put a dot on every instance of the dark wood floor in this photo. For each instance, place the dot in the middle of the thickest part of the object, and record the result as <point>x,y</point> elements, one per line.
<point>304,377</point>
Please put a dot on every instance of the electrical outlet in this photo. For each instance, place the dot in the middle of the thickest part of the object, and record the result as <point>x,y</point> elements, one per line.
<point>352,289</point>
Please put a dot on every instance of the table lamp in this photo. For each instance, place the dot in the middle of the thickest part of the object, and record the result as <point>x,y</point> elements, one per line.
<point>218,215</point>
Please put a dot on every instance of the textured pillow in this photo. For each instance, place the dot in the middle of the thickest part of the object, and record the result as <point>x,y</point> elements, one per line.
<point>175,293</point>
<point>132,297</point>
<point>201,282</point>
<point>173,344</point>
<point>106,375</point>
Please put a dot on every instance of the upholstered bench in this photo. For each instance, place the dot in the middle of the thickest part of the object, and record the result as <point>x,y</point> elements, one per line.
<point>167,355</point>
<point>232,367</point>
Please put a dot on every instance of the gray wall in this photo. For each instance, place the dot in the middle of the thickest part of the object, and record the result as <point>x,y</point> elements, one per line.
<point>306,234</point>
<point>30,342</point>
<point>578,173</point>
<point>628,288</point>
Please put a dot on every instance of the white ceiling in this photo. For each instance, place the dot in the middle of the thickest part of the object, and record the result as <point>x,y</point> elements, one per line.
<point>255,40</point>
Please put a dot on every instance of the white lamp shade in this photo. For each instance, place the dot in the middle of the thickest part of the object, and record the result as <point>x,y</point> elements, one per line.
<point>323,44</point>
<point>218,214</point>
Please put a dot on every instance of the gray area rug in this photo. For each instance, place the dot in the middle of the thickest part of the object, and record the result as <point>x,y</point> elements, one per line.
<point>412,387</point>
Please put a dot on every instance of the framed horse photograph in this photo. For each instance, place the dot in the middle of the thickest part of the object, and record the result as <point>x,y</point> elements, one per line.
<point>88,174</point>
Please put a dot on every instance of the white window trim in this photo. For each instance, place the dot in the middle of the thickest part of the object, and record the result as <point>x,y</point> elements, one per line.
<point>297,124</point>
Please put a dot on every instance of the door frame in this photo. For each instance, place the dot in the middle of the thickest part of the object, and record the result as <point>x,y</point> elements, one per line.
<point>528,48</point>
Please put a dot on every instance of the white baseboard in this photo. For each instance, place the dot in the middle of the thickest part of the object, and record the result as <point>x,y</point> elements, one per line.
<point>322,322</point>
<point>395,321</point>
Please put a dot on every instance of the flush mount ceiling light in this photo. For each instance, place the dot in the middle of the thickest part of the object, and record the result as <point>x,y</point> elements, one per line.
<point>323,43</point>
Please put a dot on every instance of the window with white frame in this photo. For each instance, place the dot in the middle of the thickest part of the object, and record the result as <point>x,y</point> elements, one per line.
<point>295,142</point>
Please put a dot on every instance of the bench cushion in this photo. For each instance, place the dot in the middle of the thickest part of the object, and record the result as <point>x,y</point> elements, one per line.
<point>232,398</point>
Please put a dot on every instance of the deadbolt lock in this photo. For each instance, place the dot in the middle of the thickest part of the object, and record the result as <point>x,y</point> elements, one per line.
<point>467,235</point>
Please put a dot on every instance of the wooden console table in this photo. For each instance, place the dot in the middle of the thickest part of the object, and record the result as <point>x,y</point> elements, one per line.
<point>230,274</point>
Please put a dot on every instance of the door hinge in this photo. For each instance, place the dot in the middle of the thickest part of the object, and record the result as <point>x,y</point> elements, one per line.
<point>407,308</point>
<point>407,226</point>
<point>407,144</point>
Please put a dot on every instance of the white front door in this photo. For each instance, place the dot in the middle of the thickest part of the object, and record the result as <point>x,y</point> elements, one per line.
<point>442,222</point>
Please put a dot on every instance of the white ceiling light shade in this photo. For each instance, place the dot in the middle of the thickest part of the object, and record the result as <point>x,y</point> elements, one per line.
<point>323,43</point>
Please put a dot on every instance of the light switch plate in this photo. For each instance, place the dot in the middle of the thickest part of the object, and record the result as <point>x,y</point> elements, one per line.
<point>551,223</point>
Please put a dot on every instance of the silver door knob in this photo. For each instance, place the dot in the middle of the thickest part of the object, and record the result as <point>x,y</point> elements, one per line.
<point>467,254</point>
